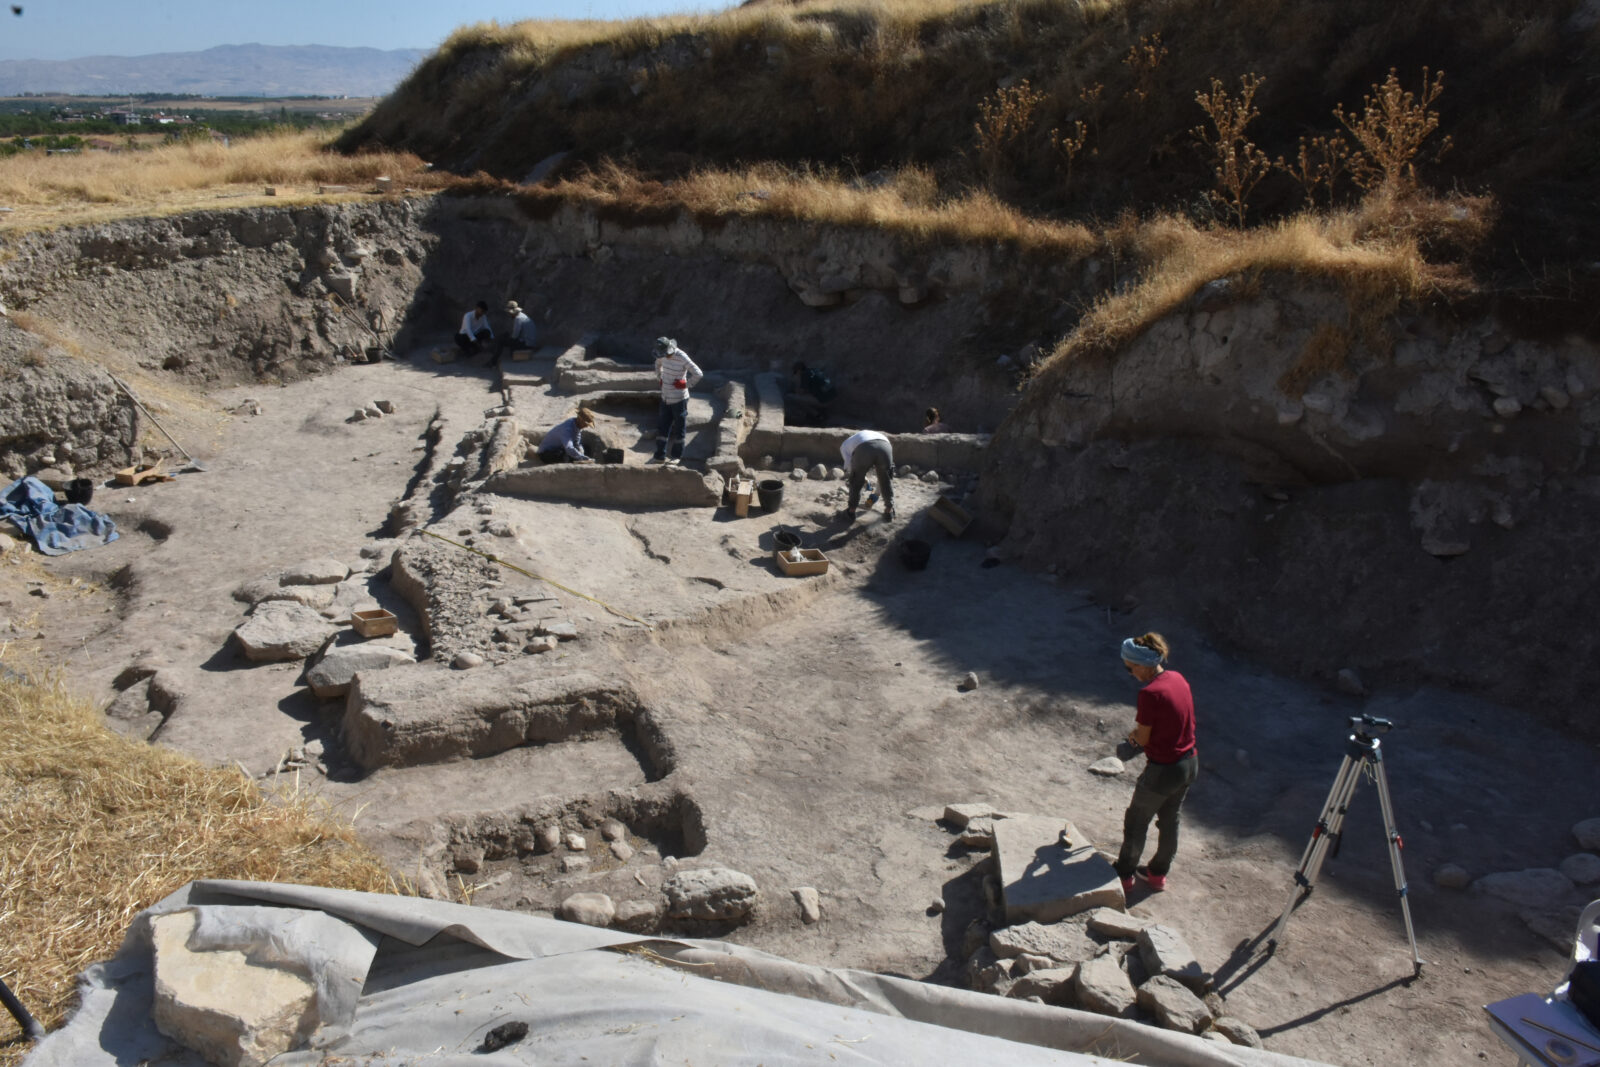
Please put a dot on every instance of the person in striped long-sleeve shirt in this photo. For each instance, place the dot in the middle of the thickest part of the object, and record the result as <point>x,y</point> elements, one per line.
<point>678,375</point>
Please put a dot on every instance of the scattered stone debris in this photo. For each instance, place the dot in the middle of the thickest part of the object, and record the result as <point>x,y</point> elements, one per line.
<point>591,909</point>
<point>969,682</point>
<point>1109,767</point>
<point>464,661</point>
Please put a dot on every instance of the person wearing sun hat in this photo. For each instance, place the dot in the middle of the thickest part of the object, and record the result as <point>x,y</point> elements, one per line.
<point>1164,729</point>
<point>523,332</point>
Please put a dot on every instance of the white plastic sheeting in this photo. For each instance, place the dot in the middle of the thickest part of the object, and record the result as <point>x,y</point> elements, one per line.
<point>444,975</point>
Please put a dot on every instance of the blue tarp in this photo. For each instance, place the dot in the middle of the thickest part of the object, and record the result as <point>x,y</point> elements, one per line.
<point>56,529</point>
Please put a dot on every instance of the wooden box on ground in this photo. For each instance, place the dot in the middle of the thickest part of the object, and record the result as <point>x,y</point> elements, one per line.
<point>521,355</point>
<point>810,561</point>
<point>374,622</point>
<point>742,490</point>
<point>952,516</point>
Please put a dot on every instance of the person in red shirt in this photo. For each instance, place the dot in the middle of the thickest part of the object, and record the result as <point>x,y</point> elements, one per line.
<point>1164,728</point>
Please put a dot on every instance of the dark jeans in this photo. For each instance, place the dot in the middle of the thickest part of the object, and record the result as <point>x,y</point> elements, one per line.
<point>872,455</point>
<point>471,345</point>
<point>1159,794</point>
<point>670,427</point>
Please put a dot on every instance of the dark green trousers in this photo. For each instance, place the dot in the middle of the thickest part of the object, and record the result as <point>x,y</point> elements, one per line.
<point>1159,795</point>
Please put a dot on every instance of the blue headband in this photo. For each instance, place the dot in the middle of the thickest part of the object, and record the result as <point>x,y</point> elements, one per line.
<point>1133,652</point>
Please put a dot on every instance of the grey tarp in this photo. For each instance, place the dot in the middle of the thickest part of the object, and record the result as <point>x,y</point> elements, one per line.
<point>443,975</point>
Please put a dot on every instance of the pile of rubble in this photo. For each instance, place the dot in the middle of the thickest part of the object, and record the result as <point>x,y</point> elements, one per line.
<point>1058,932</point>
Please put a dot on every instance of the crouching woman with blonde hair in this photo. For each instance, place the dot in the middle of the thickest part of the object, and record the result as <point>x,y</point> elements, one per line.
<point>1164,728</point>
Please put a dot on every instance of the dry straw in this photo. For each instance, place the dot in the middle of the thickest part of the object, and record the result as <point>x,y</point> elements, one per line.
<point>98,827</point>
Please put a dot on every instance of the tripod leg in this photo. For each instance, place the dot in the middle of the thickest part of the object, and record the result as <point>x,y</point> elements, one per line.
<point>1395,845</point>
<point>1311,860</point>
<point>29,1024</point>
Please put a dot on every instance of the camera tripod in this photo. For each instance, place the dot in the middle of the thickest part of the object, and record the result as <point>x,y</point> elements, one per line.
<point>1363,756</point>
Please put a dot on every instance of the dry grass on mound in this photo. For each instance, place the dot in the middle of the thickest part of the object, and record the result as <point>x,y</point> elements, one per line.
<point>158,181</point>
<point>906,202</point>
<point>1375,253</point>
<point>97,828</point>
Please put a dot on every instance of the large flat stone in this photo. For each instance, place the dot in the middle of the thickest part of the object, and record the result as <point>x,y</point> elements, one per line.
<point>414,715</point>
<point>612,484</point>
<point>219,1004</point>
<point>334,671</point>
<point>1174,1006</point>
<point>280,630</point>
<point>1062,942</point>
<point>1164,951</point>
<point>1041,880</point>
<point>1102,986</point>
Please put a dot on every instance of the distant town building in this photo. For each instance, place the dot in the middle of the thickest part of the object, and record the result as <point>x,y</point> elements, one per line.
<point>123,116</point>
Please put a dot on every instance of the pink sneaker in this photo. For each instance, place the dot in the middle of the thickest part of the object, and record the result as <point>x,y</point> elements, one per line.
<point>1157,882</point>
<point>1127,886</point>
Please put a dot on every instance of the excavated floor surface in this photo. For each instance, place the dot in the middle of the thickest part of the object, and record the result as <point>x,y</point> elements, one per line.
<point>818,726</point>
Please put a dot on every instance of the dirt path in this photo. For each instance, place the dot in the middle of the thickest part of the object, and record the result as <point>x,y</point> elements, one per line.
<point>821,735</point>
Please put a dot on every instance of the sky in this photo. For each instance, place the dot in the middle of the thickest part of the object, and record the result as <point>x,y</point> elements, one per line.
<point>70,29</point>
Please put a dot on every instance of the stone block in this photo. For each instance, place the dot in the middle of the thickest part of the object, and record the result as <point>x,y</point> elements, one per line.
<point>323,571</point>
<point>1173,1005</point>
<point>1164,952</point>
<point>334,671</point>
<point>1044,881</point>
<point>1102,986</point>
<point>219,1004</point>
<point>1053,985</point>
<point>1063,942</point>
<point>281,630</point>
<point>1238,1032</point>
<point>711,894</point>
<point>1109,922</point>
<point>810,902</point>
<point>591,909</point>
<point>611,484</point>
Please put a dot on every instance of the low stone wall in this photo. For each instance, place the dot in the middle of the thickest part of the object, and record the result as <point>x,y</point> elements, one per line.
<point>611,484</point>
<point>940,452</point>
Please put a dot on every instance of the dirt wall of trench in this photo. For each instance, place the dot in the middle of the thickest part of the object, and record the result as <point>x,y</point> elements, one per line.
<point>1417,504</point>
<point>263,294</point>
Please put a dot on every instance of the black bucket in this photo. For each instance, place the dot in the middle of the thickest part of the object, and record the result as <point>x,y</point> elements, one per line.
<point>80,491</point>
<point>770,493</point>
<point>611,455</point>
<point>914,554</point>
<point>785,539</point>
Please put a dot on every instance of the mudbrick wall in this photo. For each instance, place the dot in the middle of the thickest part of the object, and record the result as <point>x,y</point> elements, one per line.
<point>1420,504</point>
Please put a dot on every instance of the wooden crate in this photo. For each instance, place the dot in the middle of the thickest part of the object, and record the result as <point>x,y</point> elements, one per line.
<point>743,489</point>
<point>952,516</point>
<point>812,561</point>
<point>374,622</point>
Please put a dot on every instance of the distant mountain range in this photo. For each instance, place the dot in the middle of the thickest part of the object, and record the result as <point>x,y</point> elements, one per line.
<point>227,70</point>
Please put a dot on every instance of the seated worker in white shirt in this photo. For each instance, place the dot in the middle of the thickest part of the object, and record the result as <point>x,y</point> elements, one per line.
<point>474,330</point>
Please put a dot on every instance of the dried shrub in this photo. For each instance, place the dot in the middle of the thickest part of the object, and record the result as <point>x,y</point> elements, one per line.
<point>1142,61</point>
<point>1067,146</point>
<point>1320,163</point>
<point>1005,118</point>
<point>1391,130</point>
<point>1239,164</point>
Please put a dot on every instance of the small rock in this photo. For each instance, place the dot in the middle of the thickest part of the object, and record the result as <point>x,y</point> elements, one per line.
<point>1582,867</point>
<point>1214,1036</point>
<point>1107,768</point>
<point>1587,834</point>
<point>1535,887</point>
<point>1556,398</point>
<point>1173,1005</point>
<point>591,909</point>
<point>1506,406</point>
<point>544,643</point>
<point>385,406</point>
<point>818,473</point>
<point>935,907</point>
<point>835,474</point>
<point>373,412</point>
<point>932,477</point>
<point>1065,942</point>
<point>561,631</point>
<point>7,543</point>
<point>323,571</point>
<point>798,474</point>
<point>1241,757</point>
<point>1444,548</point>
<point>810,902</point>
<point>765,463</point>
<point>622,851</point>
<point>358,415</point>
<point>613,830</point>
<point>576,842</point>
<point>968,683</point>
<point>466,661</point>
<point>574,864</point>
<point>1051,985</point>
<point>637,915</point>
<point>1452,876</point>
<point>1348,681</point>
<point>467,858</point>
<point>903,471</point>
<point>1240,1033</point>
<point>548,837</point>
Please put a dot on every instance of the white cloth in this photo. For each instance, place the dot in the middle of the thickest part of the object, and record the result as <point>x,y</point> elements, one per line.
<point>472,323</point>
<point>848,449</point>
<point>676,367</point>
